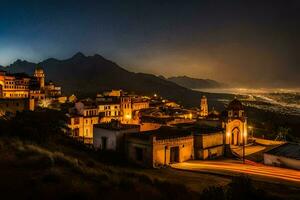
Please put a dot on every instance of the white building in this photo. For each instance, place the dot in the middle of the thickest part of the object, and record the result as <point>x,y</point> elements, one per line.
<point>286,155</point>
<point>110,136</point>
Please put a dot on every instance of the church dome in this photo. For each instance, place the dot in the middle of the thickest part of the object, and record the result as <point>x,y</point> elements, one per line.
<point>235,105</point>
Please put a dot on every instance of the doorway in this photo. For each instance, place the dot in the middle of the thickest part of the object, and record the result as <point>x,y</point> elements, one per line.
<point>174,154</point>
<point>235,136</point>
<point>104,143</point>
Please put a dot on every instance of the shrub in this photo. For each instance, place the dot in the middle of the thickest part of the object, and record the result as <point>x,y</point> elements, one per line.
<point>52,176</point>
<point>213,193</point>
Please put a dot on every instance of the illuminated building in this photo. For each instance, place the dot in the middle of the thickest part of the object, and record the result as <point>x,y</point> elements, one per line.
<point>160,147</point>
<point>235,124</point>
<point>40,76</point>
<point>113,93</point>
<point>139,103</point>
<point>126,109</point>
<point>82,120</point>
<point>20,85</point>
<point>14,86</point>
<point>11,106</point>
<point>109,111</point>
<point>208,143</point>
<point>52,90</point>
<point>203,107</point>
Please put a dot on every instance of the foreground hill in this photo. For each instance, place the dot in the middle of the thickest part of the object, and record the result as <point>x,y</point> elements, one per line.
<point>37,161</point>
<point>86,75</point>
<point>195,83</point>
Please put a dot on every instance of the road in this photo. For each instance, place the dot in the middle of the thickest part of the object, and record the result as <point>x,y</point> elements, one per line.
<point>234,168</point>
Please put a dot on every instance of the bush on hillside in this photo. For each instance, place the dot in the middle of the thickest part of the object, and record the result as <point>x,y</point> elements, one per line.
<point>39,126</point>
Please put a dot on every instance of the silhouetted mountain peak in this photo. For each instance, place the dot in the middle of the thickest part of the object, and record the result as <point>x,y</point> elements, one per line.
<point>19,61</point>
<point>193,83</point>
<point>87,75</point>
<point>22,63</point>
<point>78,55</point>
<point>98,56</point>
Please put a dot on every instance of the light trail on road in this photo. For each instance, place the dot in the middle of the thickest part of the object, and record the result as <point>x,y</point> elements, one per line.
<point>259,170</point>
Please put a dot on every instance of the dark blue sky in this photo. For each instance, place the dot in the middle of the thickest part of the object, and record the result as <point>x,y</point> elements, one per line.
<point>241,42</point>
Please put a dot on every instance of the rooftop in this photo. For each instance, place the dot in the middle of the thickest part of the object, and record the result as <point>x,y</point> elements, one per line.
<point>199,129</point>
<point>162,133</point>
<point>289,150</point>
<point>116,126</point>
<point>235,105</point>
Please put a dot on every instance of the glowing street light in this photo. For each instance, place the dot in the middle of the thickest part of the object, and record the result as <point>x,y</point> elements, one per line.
<point>44,103</point>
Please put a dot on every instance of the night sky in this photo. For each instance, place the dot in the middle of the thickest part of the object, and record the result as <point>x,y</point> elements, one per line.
<point>246,43</point>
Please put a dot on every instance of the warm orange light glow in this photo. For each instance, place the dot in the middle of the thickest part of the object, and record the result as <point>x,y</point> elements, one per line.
<point>128,116</point>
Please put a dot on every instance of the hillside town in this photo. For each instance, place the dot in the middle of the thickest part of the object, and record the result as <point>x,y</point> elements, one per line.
<point>150,131</point>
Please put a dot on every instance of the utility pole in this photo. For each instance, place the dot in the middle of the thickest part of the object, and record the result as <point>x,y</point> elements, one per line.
<point>244,148</point>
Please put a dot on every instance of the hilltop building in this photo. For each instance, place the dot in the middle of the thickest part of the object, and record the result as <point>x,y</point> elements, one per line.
<point>20,85</point>
<point>15,86</point>
<point>235,124</point>
<point>21,89</point>
<point>104,109</point>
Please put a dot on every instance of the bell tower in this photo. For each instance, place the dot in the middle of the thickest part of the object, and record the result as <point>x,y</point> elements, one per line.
<point>203,107</point>
<point>40,75</point>
<point>236,124</point>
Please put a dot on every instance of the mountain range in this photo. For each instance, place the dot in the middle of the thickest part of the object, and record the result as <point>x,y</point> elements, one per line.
<point>195,83</point>
<point>86,75</point>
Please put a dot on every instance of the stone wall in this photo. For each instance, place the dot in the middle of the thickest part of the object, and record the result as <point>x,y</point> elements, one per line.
<point>209,145</point>
<point>162,150</point>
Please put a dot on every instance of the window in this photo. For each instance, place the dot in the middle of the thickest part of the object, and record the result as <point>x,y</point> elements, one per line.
<point>76,120</point>
<point>76,132</point>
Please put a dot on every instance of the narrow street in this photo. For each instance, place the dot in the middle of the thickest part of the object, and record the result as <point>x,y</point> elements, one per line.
<point>235,168</point>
